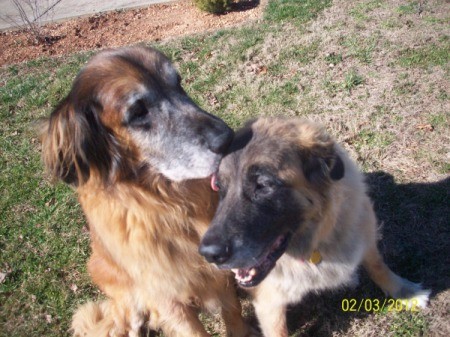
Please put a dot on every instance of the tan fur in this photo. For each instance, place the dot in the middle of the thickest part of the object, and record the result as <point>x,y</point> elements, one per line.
<point>343,223</point>
<point>93,319</point>
<point>144,229</point>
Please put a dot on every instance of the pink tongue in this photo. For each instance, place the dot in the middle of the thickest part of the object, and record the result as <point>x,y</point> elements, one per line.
<point>213,182</point>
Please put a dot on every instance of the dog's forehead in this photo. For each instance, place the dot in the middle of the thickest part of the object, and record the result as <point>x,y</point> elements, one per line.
<point>133,65</point>
<point>252,147</point>
<point>264,143</point>
<point>230,165</point>
<point>155,63</point>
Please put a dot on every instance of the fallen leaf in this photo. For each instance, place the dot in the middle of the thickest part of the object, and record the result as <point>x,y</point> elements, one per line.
<point>50,202</point>
<point>426,127</point>
<point>261,70</point>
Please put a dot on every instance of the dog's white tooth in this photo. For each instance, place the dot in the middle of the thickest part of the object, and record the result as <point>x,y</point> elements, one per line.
<point>235,270</point>
<point>252,272</point>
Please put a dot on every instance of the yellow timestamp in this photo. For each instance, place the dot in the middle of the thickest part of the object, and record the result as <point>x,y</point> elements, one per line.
<point>376,305</point>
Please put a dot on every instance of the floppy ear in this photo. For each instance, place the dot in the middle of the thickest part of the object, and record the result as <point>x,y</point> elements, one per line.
<point>320,170</point>
<point>74,142</point>
<point>337,170</point>
<point>318,154</point>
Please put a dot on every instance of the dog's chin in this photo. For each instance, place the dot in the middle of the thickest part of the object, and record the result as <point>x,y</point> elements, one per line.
<point>178,172</point>
<point>178,176</point>
<point>254,275</point>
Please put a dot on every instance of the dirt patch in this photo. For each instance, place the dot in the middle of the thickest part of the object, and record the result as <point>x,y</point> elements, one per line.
<point>113,29</point>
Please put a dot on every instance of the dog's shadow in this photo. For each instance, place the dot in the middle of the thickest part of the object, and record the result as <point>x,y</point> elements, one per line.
<point>414,224</point>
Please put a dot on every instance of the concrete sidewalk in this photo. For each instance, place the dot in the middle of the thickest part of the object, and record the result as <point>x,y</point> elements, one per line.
<point>65,9</point>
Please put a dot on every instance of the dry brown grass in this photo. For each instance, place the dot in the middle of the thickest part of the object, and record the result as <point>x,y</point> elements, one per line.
<point>402,105</point>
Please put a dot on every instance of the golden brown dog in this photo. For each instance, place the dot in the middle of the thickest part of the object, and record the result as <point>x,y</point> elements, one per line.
<point>294,217</point>
<point>132,144</point>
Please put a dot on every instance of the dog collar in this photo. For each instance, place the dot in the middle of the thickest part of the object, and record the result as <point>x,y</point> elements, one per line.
<point>315,257</point>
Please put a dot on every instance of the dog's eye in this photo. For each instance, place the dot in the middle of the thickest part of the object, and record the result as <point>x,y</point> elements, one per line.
<point>137,113</point>
<point>261,183</point>
<point>264,184</point>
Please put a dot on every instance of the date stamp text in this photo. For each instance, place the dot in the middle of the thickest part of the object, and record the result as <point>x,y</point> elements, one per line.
<point>376,305</point>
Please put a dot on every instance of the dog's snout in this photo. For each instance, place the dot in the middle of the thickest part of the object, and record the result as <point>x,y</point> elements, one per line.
<point>219,138</point>
<point>215,251</point>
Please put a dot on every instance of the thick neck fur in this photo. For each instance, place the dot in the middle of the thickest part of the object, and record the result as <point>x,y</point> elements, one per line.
<point>148,229</point>
<point>317,227</point>
<point>154,195</point>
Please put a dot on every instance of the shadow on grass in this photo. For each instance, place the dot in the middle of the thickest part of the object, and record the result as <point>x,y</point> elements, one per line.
<point>243,5</point>
<point>415,229</point>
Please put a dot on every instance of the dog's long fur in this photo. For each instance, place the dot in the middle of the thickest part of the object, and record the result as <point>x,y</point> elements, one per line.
<point>290,192</point>
<point>132,143</point>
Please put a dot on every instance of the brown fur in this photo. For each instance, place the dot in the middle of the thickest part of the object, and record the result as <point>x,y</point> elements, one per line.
<point>145,228</point>
<point>308,190</point>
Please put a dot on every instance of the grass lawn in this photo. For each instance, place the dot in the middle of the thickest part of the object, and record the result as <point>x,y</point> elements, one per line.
<point>375,72</point>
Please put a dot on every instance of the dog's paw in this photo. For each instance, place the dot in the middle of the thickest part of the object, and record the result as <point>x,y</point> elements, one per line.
<point>420,300</point>
<point>412,295</point>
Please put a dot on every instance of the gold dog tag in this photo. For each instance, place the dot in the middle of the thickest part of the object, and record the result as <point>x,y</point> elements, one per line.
<point>315,258</point>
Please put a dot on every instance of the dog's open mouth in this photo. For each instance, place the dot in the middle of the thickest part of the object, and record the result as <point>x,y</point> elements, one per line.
<point>254,275</point>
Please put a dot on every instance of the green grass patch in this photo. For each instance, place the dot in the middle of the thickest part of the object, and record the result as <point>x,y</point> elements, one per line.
<point>303,54</point>
<point>283,94</point>
<point>439,120</point>
<point>294,11</point>
<point>361,48</point>
<point>373,139</point>
<point>391,24</point>
<point>405,88</point>
<point>352,80</point>
<point>361,11</point>
<point>443,95</point>
<point>410,7</point>
<point>433,55</point>
<point>331,87</point>
<point>408,325</point>
<point>437,21</point>
<point>333,58</point>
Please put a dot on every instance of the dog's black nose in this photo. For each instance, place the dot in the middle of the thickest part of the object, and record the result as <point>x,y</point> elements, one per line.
<point>219,138</point>
<point>214,252</point>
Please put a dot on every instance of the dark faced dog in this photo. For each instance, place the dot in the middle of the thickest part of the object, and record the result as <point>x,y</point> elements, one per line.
<point>130,142</point>
<point>294,217</point>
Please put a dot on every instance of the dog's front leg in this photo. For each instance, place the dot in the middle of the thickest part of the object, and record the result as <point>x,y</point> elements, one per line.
<point>271,315</point>
<point>232,315</point>
<point>180,320</point>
